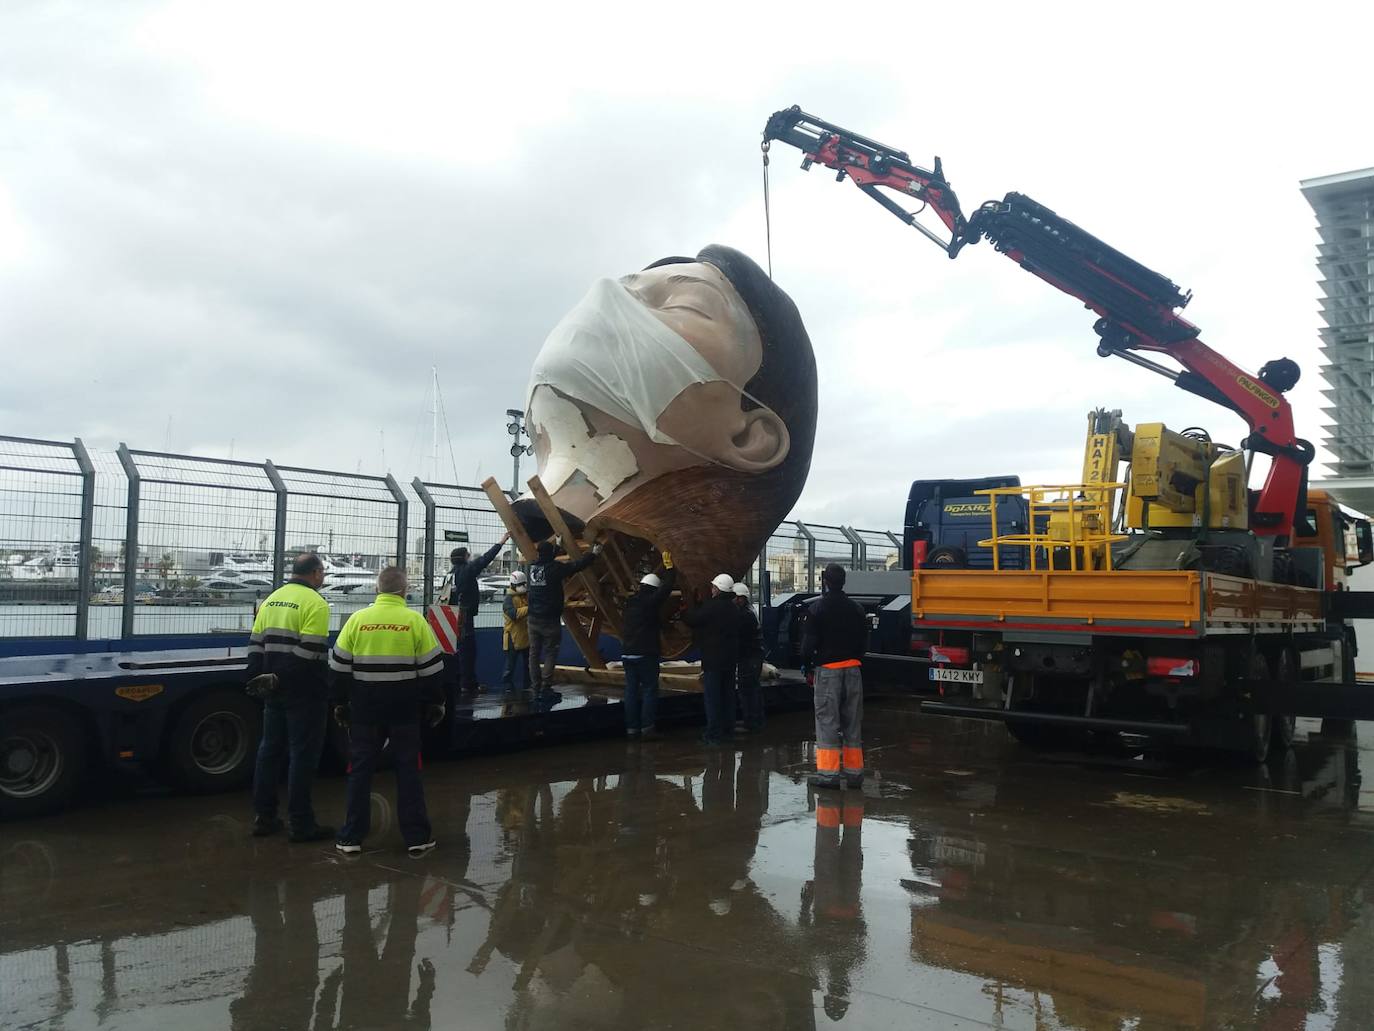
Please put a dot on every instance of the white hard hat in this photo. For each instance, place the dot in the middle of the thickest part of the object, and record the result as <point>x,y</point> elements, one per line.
<point>723,582</point>
<point>517,577</point>
<point>651,580</point>
<point>742,589</point>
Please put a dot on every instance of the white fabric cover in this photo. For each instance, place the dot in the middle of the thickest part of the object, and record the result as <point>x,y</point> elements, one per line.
<point>612,353</point>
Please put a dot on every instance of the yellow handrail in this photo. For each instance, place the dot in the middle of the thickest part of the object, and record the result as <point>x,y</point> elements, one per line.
<point>1074,517</point>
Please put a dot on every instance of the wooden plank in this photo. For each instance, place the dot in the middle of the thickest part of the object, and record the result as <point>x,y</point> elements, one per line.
<point>502,504</point>
<point>574,549</point>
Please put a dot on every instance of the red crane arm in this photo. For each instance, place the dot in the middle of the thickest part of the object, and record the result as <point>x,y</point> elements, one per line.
<point>1137,308</point>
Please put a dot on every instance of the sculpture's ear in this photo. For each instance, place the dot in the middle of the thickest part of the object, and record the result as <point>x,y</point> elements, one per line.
<point>761,444</point>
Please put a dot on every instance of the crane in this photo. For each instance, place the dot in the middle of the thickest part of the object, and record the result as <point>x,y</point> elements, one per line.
<point>1137,309</point>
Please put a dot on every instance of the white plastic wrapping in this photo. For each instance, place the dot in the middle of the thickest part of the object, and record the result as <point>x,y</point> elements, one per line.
<point>611,353</point>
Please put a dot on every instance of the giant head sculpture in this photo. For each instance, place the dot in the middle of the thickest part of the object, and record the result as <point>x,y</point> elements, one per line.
<point>676,408</point>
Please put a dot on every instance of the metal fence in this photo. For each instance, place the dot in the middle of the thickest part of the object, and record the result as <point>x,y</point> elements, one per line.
<point>136,543</point>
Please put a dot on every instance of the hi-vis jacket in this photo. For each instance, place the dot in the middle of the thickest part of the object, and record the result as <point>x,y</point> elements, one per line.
<point>386,659</point>
<point>291,637</point>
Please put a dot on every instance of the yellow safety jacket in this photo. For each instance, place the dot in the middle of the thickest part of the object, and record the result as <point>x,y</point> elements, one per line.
<point>387,657</point>
<point>515,630</point>
<point>291,636</point>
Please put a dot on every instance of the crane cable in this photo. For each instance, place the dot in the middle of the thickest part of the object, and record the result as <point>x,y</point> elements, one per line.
<point>767,215</point>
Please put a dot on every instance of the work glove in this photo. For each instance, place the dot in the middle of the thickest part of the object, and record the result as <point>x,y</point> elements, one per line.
<point>667,560</point>
<point>342,716</point>
<point>264,685</point>
<point>434,714</point>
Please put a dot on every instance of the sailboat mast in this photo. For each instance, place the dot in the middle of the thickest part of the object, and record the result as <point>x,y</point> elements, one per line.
<point>434,422</point>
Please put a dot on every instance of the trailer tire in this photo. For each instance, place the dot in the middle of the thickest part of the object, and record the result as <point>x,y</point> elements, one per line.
<point>214,742</point>
<point>1286,669</point>
<point>42,761</point>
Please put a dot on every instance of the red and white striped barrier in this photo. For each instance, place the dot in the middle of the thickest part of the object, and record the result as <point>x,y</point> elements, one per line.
<point>447,626</point>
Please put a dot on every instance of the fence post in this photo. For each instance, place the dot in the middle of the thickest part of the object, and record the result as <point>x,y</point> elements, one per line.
<point>279,527</point>
<point>810,555</point>
<point>402,518</point>
<point>84,563</point>
<point>856,547</point>
<point>126,618</point>
<point>763,562</point>
<point>431,529</point>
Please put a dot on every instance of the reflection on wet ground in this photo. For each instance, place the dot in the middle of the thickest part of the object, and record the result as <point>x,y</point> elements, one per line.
<point>970,884</point>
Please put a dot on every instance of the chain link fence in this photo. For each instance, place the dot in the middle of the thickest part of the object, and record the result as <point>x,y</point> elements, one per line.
<point>133,543</point>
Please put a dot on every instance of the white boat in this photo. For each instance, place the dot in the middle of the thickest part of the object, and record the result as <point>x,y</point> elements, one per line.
<point>59,562</point>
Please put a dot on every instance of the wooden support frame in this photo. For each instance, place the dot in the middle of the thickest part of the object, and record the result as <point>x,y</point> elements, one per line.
<point>526,544</point>
<point>573,547</point>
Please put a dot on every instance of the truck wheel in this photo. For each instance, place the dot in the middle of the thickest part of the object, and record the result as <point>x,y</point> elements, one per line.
<point>948,558</point>
<point>214,742</point>
<point>1337,727</point>
<point>1281,727</point>
<point>42,759</point>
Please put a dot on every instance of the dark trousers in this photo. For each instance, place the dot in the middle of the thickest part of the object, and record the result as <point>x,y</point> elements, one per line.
<point>718,692</point>
<point>467,651</point>
<point>517,674</point>
<point>751,693</point>
<point>839,700</point>
<point>365,746</point>
<point>641,692</point>
<point>545,637</point>
<point>292,732</point>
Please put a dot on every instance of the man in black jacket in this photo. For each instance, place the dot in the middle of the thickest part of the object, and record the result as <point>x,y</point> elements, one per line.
<point>640,648</point>
<point>749,672</point>
<point>546,578</point>
<point>833,647</point>
<point>466,593</point>
<point>715,623</point>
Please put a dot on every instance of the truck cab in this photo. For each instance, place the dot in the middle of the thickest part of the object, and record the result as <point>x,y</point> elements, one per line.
<point>945,520</point>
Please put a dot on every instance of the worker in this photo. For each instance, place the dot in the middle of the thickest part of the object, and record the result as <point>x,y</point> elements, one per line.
<point>640,649</point>
<point>286,668</point>
<point>515,633</point>
<point>465,591</point>
<point>715,626</point>
<point>387,661</point>
<point>749,665</point>
<point>546,578</point>
<point>833,646</point>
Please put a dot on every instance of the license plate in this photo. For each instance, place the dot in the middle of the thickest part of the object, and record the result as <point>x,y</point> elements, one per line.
<point>956,676</point>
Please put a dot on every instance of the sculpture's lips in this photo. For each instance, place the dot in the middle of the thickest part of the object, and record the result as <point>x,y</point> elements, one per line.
<point>537,526</point>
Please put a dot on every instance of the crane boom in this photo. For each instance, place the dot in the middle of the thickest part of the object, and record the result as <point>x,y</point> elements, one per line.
<point>1137,308</point>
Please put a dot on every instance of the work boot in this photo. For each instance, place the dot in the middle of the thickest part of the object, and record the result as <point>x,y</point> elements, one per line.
<point>824,780</point>
<point>265,826</point>
<point>854,781</point>
<point>319,832</point>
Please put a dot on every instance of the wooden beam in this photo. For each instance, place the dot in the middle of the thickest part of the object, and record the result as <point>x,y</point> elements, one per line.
<point>502,504</point>
<point>574,549</point>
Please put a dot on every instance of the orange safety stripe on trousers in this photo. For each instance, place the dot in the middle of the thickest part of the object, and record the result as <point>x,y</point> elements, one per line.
<point>827,816</point>
<point>854,759</point>
<point>853,815</point>
<point>828,760</point>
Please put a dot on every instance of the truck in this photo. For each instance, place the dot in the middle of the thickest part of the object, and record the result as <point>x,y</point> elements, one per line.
<point>1157,599</point>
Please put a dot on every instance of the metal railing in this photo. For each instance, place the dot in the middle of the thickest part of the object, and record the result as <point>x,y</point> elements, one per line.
<point>134,543</point>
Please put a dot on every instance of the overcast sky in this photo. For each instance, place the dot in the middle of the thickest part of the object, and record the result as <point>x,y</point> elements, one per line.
<point>255,226</point>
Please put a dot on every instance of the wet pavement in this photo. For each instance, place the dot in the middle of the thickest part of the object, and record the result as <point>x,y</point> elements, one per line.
<point>601,885</point>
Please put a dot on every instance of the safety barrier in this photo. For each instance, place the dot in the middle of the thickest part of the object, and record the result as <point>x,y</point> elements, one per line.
<point>132,543</point>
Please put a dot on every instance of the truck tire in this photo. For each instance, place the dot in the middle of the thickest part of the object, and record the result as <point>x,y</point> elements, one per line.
<point>214,742</point>
<point>42,760</point>
<point>948,558</point>
<point>1338,727</point>
<point>1281,728</point>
